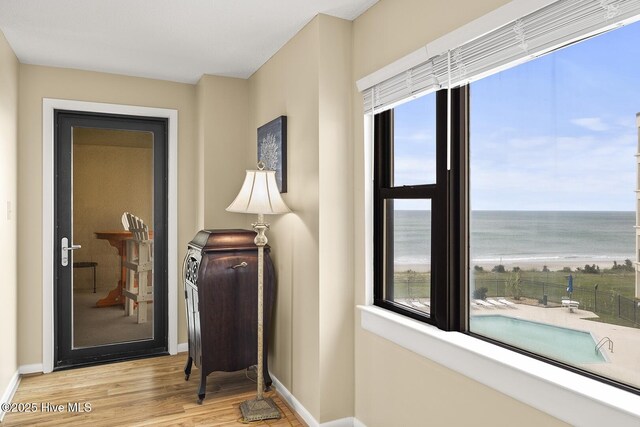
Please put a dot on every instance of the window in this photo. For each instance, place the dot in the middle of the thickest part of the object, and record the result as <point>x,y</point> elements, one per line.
<point>553,208</point>
<point>408,177</point>
<point>525,232</point>
<point>410,212</point>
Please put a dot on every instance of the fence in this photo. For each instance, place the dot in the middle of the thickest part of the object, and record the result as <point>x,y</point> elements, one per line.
<point>597,301</point>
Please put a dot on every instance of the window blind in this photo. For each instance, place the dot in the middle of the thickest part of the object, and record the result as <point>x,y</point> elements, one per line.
<point>532,35</point>
<point>424,78</point>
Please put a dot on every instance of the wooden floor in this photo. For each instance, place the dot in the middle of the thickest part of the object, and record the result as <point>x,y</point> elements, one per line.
<point>145,392</point>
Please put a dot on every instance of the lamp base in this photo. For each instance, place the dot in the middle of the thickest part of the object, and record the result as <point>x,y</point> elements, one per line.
<point>259,409</point>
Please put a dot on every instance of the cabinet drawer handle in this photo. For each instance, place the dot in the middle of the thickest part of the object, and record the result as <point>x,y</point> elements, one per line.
<point>242,264</point>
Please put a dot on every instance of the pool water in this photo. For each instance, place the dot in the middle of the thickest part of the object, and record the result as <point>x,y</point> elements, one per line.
<point>563,344</point>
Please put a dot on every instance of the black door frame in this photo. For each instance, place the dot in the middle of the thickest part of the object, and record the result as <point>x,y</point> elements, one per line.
<point>64,355</point>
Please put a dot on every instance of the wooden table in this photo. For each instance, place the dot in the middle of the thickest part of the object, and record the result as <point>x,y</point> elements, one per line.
<point>116,239</point>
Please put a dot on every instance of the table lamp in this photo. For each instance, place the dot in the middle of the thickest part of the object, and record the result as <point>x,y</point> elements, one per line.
<point>259,195</point>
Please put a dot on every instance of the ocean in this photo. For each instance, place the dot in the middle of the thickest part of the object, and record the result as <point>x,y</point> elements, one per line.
<point>529,237</point>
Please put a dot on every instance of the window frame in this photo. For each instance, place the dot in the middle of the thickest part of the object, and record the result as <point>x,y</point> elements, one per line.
<point>580,387</point>
<point>462,126</point>
<point>450,274</point>
<point>447,195</point>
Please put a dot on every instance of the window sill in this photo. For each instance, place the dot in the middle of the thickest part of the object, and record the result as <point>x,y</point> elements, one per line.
<point>568,396</point>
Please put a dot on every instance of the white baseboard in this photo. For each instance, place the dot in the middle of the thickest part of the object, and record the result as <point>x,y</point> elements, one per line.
<point>294,403</point>
<point>343,422</point>
<point>306,415</point>
<point>31,369</point>
<point>14,382</point>
<point>358,423</point>
<point>183,347</point>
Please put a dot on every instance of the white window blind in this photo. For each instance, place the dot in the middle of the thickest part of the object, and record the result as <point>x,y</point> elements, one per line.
<point>535,34</point>
<point>424,78</point>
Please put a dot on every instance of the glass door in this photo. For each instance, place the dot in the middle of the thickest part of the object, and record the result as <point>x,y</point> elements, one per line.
<point>110,222</point>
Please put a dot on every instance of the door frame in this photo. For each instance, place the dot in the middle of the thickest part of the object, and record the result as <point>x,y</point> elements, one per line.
<point>48,226</point>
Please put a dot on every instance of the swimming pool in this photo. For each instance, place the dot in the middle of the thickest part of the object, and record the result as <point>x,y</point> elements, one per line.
<point>563,344</point>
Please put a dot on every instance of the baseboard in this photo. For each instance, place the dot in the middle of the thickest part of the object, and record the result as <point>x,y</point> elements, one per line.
<point>183,347</point>
<point>14,382</point>
<point>342,422</point>
<point>358,423</point>
<point>31,369</point>
<point>294,403</point>
<point>306,415</point>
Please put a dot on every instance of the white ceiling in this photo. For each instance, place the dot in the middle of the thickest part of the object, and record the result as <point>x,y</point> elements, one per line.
<point>178,40</point>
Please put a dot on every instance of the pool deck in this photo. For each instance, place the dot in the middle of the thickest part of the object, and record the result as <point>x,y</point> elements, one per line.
<point>623,362</point>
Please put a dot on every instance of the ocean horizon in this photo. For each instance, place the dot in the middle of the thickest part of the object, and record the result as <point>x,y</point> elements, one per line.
<point>528,237</point>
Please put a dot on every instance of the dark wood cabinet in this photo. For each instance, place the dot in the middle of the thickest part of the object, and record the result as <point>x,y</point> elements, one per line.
<point>221,295</point>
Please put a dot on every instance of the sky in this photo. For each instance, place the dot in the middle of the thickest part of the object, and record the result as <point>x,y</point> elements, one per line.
<point>556,133</point>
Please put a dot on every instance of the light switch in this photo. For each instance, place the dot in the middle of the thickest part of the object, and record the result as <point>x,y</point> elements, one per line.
<point>8,210</point>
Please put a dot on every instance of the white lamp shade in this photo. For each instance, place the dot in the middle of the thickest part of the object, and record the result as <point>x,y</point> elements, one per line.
<point>259,195</point>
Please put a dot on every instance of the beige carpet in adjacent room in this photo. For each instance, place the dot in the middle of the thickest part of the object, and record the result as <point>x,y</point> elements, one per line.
<point>93,326</point>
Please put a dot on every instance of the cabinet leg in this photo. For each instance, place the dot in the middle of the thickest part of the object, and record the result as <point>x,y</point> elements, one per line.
<point>187,368</point>
<point>203,388</point>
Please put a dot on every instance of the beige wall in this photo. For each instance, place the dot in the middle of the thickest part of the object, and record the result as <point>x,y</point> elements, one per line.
<point>223,131</point>
<point>8,224</point>
<point>396,387</point>
<point>308,81</point>
<point>288,85</point>
<point>393,386</point>
<point>335,220</point>
<point>108,179</point>
<point>43,82</point>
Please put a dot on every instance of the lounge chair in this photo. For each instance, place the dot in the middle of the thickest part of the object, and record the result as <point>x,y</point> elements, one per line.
<point>507,303</point>
<point>484,304</point>
<point>570,304</point>
<point>474,305</point>
<point>496,303</point>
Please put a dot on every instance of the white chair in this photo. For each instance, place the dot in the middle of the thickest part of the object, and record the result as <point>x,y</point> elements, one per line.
<point>484,304</point>
<point>507,303</point>
<point>139,264</point>
<point>570,304</point>
<point>496,303</point>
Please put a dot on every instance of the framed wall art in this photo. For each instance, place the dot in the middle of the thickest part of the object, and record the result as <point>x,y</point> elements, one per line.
<point>272,149</point>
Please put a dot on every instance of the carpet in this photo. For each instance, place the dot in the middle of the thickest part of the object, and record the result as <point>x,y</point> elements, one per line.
<point>93,326</point>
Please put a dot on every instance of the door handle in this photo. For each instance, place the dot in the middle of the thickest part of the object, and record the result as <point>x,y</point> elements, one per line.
<point>64,253</point>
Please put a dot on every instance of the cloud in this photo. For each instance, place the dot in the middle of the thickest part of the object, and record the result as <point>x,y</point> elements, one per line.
<point>591,123</point>
<point>627,121</point>
<point>557,173</point>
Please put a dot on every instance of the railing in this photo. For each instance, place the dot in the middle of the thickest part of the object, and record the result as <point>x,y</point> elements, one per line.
<point>603,341</point>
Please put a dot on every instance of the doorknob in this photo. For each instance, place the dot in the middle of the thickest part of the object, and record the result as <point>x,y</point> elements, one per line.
<point>64,253</point>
